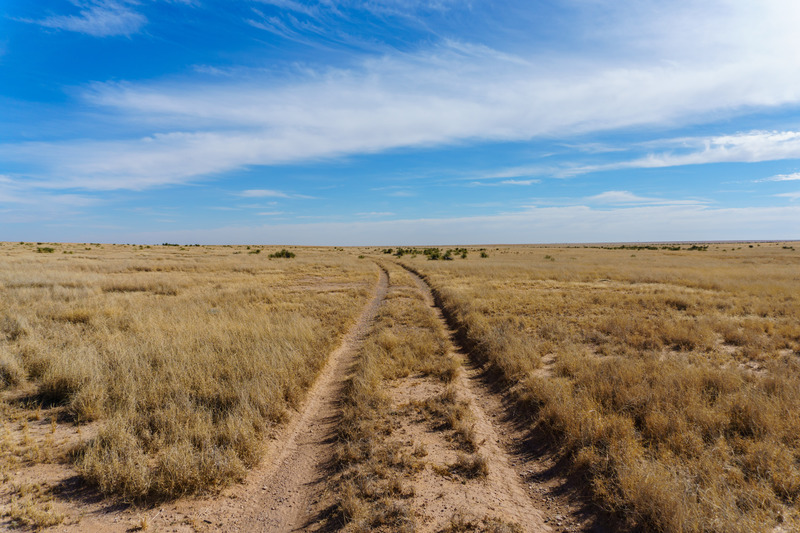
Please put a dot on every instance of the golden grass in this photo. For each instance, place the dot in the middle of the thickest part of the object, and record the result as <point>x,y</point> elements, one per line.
<point>185,356</point>
<point>31,507</point>
<point>672,378</point>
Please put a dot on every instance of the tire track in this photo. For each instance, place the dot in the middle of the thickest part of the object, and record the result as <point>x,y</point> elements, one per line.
<point>507,483</point>
<point>279,497</point>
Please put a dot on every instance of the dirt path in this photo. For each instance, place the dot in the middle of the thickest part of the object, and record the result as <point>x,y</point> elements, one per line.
<point>276,494</point>
<point>529,482</point>
<point>296,470</point>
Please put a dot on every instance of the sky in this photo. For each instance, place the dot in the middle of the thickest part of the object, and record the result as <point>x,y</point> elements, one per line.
<point>399,122</point>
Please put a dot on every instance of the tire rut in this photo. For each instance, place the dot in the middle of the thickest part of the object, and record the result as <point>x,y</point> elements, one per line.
<point>503,468</point>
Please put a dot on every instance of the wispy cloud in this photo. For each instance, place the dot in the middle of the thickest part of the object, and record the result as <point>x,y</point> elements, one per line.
<point>503,182</point>
<point>745,147</point>
<point>519,182</point>
<point>271,193</point>
<point>551,224</point>
<point>291,5</point>
<point>628,198</point>
<point>781,177</point>
<point>263,193</point>
<point>22,204</point>
<point>14,192</point>
<point>99,18</point>
<point>448,93</point>
<point>791,195</point>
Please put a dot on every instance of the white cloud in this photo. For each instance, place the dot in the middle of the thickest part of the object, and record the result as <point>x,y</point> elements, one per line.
<point>20,204</point>
<point>792,196</point>
<point>503,182</point>
<point>263,193</point>
<point>781,177</point>
<point>747,147</point>
<point>628,198</point>
<point>99,18</point>
<point>519,182</point>
<point>741,58</point>
<point>13,192</point>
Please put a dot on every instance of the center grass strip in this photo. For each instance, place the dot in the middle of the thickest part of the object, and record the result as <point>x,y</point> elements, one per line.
<point>405,339</point>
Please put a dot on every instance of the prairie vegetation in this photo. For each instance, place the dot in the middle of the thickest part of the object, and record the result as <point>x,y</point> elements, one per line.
<point>174,361</point>
<point>669,378</point>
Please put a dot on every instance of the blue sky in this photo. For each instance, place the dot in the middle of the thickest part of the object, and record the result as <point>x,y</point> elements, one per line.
<point>398,121</point>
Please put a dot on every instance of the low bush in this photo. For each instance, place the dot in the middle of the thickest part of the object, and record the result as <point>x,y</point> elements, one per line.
<point>283,253</point>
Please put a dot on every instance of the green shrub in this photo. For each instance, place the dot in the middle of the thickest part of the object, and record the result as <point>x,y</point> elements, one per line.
<point>284,253</point>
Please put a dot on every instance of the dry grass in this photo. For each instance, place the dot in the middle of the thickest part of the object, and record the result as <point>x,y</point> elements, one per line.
<point>31,507</point>
<point>463,523</point>
<point>185,356</point>
<point>672,378</point>
<point>453,413</point>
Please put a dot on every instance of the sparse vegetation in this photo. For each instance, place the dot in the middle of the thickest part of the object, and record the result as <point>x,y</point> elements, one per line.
<point>184,360</point>
<point>670,382</point>
<point>673,382</point>
<point>31,507</point>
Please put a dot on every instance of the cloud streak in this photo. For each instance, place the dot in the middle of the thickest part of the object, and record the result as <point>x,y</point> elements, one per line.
<point>98,18</point>
<point>781,177</point>
<point>622,198</point>
<point>745,147</point>
<point>451,93</point>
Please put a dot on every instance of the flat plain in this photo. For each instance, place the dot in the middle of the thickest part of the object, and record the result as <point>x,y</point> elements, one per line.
<point>495,388</point>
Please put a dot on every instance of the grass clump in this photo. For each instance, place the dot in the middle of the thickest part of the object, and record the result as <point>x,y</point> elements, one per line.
<point>470,466</point>
<point>450,412</point>
<point>31,507</point>
<point>12,372</point>
<point>462,523</point>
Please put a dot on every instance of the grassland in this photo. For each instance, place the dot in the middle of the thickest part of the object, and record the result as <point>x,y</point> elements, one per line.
<point>669,378</point>
<point>172,363</point>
